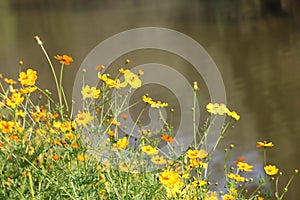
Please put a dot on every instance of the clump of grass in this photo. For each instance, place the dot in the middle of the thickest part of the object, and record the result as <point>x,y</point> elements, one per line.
<point>47,154</point>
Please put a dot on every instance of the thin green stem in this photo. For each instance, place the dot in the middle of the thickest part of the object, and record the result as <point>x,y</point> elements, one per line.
<point>53,72</point>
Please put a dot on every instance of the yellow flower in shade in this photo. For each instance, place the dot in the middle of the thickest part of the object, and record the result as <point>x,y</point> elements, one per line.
<point>216,108</point>
<point>125,168</point>
<point>28,78</point>
<point>84,118</point>
<point>169,178</point>
<point>159,160</point>
<point>10,81</point>
<point>133,80</point>
<point>264,144</point>
<point>211,196</point>
<point>109,82</point>
<point>244,166</point>
<point>234,115</point>
<point>64,59</point>
<point>88,92</point>
<point>260,198</point>
<point>192,154</point>
<point>149,150</point>
<point>6,126</point>
<point>236,177</point>
<point>69,136</point>
<point>82,157</point>
<point>14,100</point>
<point>228,197</point>
<point>167,138</point>
<point>233,191</point>
<point>271,170</point>
<point>122,143</point>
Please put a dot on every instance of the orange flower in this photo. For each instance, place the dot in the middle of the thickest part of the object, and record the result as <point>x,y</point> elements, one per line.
<point>264,144</point>
<point>55,157</point>
<point>66,60</point>
<point>111,133</point>
<point>167,138</point>
<point>240,160</point>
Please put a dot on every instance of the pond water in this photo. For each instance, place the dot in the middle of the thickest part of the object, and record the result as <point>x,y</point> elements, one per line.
<point>256,48</point>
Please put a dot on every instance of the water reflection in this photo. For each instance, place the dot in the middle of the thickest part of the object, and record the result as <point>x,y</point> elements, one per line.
<point>255,45</point>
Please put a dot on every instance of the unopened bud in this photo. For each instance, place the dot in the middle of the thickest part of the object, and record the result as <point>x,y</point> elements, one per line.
<point>38,40</point>
<point>127,61</point>
<point>196,88</point>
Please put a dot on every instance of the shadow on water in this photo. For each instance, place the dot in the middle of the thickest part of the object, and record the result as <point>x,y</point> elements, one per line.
<point>255,44</point>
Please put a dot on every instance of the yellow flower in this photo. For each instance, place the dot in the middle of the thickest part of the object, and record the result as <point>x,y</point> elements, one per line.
<point>6,126</point>
<point>169,178</point>
<point>84,118</point>
<point>28,78</point>
<point>234,115</point>
<point>69,136</point>
<point>109,82</point>
<point>260,198</point>
<point>228,197</point>
<point>82,157</point>
<point>122,143</point>
<point>149,150</point>
<point>159,104</point>
<point>264,144</point>
<point>159,160</point>
<point>192,154</point>
<point>66,60</point>
<point>147,99</point>
<point>211,196</point>
<point>194,163</point>
<point>20,113</point>
<point>153,104</point>
<point>28,90</point>
<point>271,170</point>
<point>216,108</point>
<point>133,80</point>
<point>10,81</point>
<point>199,183</point>
<point>244,166</point>
<point>15,100</point>
<point>236,177</point>
<point>88,92</point>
